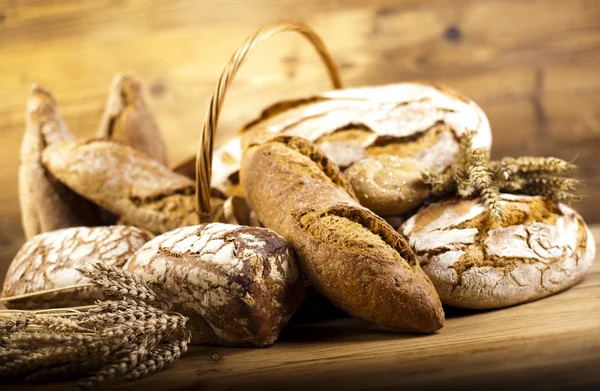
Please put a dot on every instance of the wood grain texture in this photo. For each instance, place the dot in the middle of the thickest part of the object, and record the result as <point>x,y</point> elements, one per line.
<point>532,66</point>
<point>550,344</point>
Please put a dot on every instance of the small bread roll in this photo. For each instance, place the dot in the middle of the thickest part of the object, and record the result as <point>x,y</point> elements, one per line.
<point>388,185</point>
<point>538,249</point>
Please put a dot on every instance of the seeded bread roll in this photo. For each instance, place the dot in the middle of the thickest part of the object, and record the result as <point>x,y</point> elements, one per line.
<point>539,249</point>
<point>388,185</point>
<point>46,204</point>
<point>127,119</point>
<point>351,256</point>
<point>238,285</point>
<point>49,261</point>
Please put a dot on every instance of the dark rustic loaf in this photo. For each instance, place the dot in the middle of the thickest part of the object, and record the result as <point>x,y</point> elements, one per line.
<point>238,285</point>
<point>49,261</point>
<point>351,255</point>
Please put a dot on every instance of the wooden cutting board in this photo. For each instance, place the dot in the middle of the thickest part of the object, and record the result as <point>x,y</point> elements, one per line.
<point>550,344</point>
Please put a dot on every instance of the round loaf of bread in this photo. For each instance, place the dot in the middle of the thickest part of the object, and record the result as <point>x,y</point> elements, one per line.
<point>238,285</point>
<point>49,261</point>
<point>388,185</point>
<point>538,249</point>
<point>418,119</point>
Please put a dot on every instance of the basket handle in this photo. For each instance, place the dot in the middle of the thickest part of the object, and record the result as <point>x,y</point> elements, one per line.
<point>205,148</point>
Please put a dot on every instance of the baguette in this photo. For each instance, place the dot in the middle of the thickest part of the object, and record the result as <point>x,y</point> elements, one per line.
<point>46,204</point>
<point>351,256</point>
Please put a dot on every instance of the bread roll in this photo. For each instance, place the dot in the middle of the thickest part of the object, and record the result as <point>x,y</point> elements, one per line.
<point>238,285</point>
<point>49,261</point>
<point>46,204</point>
<point>352,256</point>
<point>538,249</point>
<point>388,185</point>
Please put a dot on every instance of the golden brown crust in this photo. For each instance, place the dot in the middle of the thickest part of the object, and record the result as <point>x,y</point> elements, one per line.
<point>46,204</point>
<point>388,185</point>
<point>351,255</point>
<point>128,120</point>
<point>126,182</point>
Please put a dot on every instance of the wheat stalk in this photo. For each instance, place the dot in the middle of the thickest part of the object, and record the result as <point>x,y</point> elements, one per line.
<point>112,340</point>
<point>473,174</point>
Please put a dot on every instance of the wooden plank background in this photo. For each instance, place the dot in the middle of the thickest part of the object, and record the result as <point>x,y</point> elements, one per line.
<point>533,66</point>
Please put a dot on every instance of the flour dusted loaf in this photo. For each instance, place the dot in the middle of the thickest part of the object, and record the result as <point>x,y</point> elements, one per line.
<point>128,120</point>
<point>539,249</point>
<point>46,204</point>
<point>49,261</point>
<point>238,285</point>
<point>351,256</point>
<point>418,120</point>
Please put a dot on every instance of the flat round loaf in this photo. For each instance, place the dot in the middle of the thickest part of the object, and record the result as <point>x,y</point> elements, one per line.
<point>539,249</point>
<point>49,261</point>
<point>238,285</point>
<point>388,185</point>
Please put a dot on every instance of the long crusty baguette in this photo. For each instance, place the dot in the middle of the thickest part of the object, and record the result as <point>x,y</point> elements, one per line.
<point>351,255</point>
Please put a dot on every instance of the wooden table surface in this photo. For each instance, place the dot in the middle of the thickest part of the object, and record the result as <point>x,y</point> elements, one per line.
<point>549,344</point>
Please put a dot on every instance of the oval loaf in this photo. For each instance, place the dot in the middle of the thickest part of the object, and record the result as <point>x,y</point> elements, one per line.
<point>538,249</point>
<point>238,285</point>
<point>49,261</point>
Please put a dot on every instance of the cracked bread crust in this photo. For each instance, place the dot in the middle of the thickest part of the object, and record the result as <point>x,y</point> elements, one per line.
<point>49,260</point>
<point>539,249</point>
<point>238,285</point>
<point>126,182</point>
<point>351,256</point>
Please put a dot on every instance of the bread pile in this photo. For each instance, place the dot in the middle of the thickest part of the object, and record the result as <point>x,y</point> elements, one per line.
<point>382,198</point>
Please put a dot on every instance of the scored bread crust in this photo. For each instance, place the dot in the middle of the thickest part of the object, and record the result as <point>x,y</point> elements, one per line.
<point>126,182</point>
<point>352,256</point>
<point>49,261</point>
<point>539,249</point>
<point>238,285</point>
<point>46,204</point>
